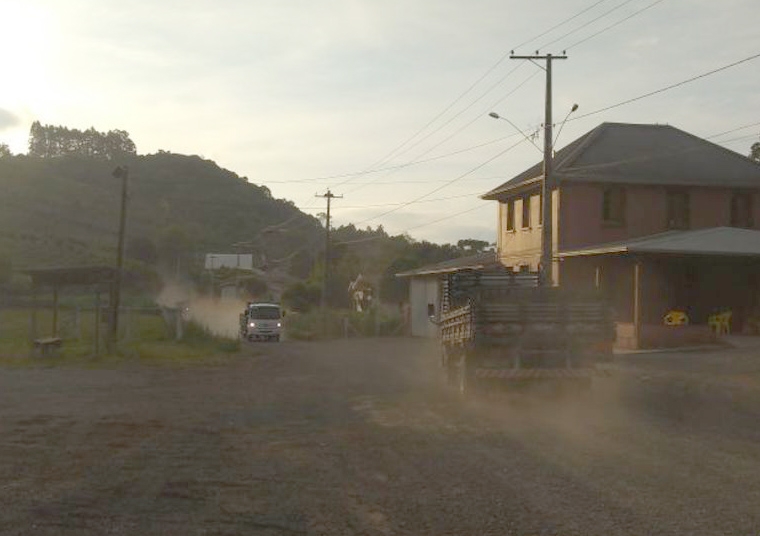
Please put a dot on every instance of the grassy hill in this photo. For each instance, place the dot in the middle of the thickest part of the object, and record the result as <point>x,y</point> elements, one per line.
<point>65,210</point>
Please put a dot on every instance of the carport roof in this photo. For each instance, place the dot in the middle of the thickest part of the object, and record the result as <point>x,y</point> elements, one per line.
<point>471,262</point>
<point>77,275</point>
<point>713,241</point>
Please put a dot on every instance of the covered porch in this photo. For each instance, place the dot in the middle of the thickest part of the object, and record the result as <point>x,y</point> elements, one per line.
<point>700,273</point>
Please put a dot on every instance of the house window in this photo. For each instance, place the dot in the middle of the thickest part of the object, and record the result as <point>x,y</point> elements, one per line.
<point>540,209</point>
<point>678,209</point>
<point>741,210</point>
<point>613,205</point>
<point>526,212</point>
<point>431,309</point>
<point>511,215</point>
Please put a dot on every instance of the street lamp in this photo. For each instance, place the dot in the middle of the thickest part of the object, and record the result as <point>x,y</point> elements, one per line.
<point>547,187</point>
<point>575,107</point>
<point>524,135</point>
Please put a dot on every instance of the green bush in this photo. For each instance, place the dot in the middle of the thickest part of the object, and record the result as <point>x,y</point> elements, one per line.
<point>331,324</point>
<point>301,297</point>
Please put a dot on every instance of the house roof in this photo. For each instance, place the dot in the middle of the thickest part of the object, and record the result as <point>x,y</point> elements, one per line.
<point>713,241</point>
<point>626,153</point>
<point>471,262</point>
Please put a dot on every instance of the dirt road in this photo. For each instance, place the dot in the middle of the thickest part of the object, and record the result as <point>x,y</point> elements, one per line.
<point>361,437</point>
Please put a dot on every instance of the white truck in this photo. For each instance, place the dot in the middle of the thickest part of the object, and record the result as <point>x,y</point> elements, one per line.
<point>261,322</point>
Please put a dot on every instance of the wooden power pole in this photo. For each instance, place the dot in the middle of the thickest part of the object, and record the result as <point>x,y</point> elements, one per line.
<point>123,174</point>
<point>326,276</point>
<point>547,257</point>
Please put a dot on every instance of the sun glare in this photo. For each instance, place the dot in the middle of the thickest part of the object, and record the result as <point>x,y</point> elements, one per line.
<point>26,37</point>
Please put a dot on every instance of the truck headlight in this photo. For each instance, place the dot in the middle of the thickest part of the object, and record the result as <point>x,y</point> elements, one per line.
<point>279,324</point>
<point>252,325</point>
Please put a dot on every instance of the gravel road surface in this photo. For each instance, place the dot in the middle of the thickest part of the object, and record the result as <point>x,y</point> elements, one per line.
<point>362,437</point>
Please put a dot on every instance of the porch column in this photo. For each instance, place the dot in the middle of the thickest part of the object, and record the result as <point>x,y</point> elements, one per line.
<point>637,298</point>
<point>598,277</point>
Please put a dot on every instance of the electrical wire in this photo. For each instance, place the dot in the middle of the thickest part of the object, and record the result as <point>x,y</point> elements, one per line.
<point>448,183</point>
<point>666,88</point>
<point>614,24</point>
<point>560,38</point>
<point>393,153</point>
<point>455,133</point>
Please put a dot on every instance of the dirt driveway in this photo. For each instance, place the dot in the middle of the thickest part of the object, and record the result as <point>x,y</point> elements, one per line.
<point>360,437</point>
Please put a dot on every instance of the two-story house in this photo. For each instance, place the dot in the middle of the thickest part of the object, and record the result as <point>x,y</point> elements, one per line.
<point>656,218</point>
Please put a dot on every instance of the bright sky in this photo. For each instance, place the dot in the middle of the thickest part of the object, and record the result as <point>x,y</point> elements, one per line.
<point>288,92</point>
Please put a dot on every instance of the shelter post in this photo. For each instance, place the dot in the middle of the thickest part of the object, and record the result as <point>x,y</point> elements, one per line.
<point>637,299</point>
<point>55,311</point>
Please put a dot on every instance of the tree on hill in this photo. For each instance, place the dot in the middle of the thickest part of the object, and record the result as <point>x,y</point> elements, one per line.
<point>754,152</point>
<point>5,151</point>
<point>48,141</point>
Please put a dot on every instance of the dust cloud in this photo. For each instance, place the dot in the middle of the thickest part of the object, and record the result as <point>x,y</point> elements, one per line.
<point>220,316</point>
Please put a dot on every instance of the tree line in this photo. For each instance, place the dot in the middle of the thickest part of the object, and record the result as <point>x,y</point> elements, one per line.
<point>49,141</point>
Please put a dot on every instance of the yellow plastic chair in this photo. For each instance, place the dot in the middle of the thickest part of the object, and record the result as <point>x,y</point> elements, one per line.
<point>676,318</point>
<point>720,323</point>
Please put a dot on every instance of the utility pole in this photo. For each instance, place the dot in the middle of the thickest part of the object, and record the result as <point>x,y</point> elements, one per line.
<point>326,276</point>
<point>123,174</point>
<point>545,266</point>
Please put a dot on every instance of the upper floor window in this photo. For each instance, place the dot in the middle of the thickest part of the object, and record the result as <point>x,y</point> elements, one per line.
<point>678,209</point>
<point>741,209</point>
<point>526,212</point>
<point>511,215</point>
<point>613,205</point>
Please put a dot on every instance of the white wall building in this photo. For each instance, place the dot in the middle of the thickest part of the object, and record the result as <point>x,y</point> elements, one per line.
<point>425,289</point>
<point>240,261</point>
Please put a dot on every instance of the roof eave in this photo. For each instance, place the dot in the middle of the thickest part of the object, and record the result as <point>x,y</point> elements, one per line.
<point>507,191</point>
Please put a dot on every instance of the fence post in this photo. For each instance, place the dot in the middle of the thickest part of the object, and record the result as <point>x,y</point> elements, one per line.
<point>78,323</point>
<point>178,331</point>
<point>128,325</point>
<point>97,324</point>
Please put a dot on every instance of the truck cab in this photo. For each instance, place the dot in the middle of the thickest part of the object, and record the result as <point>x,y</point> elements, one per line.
<point>261,322</point>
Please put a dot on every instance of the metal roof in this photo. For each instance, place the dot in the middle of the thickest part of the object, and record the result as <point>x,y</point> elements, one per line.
<point>626,153</point>
<point>713,241</point>
<point>471,262</point>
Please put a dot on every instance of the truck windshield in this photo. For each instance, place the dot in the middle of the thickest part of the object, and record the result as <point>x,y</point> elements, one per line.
<point>265,313</point>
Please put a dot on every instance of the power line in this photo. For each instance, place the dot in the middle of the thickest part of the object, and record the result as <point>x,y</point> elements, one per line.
<point>448,183</point>
<point>378,205</point>
<point>614,24</point>
<point>734,130</point>
<point>455,116</point>
<point>586,24</point>
<point>372,169</point>
<point>666,88</point>
<point>425,161</point>
<point>475,84</point>
<point>456,132</point>
<point>554,27</point>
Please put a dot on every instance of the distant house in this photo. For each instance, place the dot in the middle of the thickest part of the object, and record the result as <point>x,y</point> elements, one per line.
<point>425,289</point>
<point>655,217</point>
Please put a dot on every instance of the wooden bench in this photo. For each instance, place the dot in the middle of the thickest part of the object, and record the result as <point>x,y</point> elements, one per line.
<point>48,345</point>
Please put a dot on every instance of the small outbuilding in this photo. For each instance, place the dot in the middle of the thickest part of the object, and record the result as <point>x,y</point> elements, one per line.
<point>425,284</point>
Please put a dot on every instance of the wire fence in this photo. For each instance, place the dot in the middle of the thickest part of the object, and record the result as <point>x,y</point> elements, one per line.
<point>84,330</point>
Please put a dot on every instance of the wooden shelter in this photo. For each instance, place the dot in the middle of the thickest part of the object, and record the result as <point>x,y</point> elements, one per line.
<point>101,278</point>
